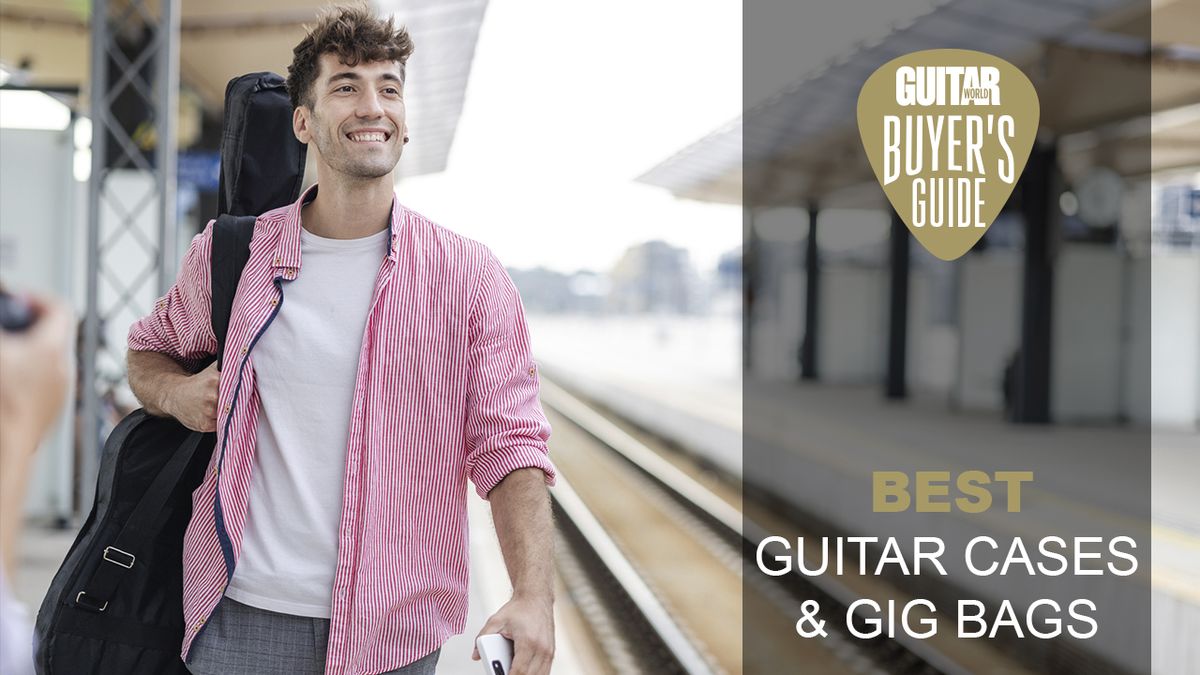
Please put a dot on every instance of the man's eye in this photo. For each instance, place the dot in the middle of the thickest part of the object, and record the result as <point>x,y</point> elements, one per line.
<point>345,87</point>
<point>392,90</point>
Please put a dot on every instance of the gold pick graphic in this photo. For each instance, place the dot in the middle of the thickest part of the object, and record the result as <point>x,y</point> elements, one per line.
<point>947,132</point>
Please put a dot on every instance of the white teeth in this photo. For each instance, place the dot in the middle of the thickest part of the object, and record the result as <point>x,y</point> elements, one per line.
<point>367,136</point>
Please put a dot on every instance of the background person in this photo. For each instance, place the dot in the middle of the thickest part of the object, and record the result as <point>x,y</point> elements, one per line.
<point>35,370</point>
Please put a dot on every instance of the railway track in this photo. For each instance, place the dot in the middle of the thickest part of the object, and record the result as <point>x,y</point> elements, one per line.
<point>658,553</point>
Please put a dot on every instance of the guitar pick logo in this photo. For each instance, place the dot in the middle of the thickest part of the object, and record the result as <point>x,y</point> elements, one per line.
<point>948,132</point>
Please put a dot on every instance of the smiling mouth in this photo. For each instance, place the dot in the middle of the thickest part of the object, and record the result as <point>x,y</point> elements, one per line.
<point>369,137</point>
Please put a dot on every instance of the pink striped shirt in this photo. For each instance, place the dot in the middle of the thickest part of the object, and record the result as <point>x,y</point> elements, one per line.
<point>446,391</point>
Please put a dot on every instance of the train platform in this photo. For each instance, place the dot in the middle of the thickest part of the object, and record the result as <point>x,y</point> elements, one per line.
<point>679,376</point>
<point>850,430</point>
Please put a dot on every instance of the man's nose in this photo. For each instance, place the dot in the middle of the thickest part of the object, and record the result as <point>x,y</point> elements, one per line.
<point>369,105</point>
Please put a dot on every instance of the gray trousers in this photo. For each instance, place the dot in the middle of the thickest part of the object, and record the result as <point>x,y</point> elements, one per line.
<point>244,640</point>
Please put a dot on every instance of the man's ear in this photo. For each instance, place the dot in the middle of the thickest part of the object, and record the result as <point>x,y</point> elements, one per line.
<point>300,124</point>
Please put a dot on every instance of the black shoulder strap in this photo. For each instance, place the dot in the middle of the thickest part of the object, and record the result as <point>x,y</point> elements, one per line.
<point>230,251</point>
<point>139,531</point>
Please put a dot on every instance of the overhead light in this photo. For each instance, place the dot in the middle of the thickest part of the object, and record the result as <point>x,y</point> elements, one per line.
<point>1068,203</point>
<point>32,110</point>
<point>1174,117</point>
<point>82,165</point>
<point>83,133</point>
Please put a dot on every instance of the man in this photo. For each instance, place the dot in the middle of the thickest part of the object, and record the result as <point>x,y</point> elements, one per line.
<point>375,362</point>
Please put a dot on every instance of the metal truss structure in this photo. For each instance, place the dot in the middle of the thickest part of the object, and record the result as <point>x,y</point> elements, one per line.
<point>131,207</point>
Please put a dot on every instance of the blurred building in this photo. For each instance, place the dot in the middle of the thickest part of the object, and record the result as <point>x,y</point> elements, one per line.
<point>1176,208</point>
<point>729,270</point>
<point>653,277</point>
<point>546,291</point>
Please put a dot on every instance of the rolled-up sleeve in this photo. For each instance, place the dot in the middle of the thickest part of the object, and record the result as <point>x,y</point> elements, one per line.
<point>180,325</point>
<point>506,429</point>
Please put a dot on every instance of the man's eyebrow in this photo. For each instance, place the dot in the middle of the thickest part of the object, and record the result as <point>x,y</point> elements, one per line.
<point>351,75</point>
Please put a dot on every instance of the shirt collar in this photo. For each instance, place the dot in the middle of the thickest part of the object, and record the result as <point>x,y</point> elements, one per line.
<point>287,254</point>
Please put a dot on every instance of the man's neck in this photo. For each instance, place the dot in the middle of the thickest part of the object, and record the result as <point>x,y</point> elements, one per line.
<point>349,209</point>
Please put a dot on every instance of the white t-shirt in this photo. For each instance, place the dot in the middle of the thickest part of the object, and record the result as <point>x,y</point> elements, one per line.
<point>306,364</point>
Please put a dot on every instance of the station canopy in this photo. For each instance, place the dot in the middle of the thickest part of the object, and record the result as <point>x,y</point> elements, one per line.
<point>802,146</point>
<point>47,44</point>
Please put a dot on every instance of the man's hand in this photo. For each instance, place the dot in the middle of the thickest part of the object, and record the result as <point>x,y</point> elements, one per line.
<point>521,512</point>
<point>167,390</point>
<point>193,399</point>
<point>529,623</point>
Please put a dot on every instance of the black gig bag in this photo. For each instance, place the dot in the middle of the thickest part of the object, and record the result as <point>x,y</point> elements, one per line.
<point>115,607</point>
<point>262,161</point>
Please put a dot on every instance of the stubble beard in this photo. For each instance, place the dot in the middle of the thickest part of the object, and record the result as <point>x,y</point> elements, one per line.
<point>335,154</point>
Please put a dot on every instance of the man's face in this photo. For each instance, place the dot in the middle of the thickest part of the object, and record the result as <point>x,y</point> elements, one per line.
<point>356,119</point>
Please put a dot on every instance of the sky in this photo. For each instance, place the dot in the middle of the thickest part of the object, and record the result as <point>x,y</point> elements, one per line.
<point>567,104</point>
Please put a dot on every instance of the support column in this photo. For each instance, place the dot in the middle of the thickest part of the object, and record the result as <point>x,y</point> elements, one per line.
<point>749,285</point>
<point>166,152</point>
<point>131,250</point>
<point>895,385</point>
<point>1031,401</point>
<point>812,295</point>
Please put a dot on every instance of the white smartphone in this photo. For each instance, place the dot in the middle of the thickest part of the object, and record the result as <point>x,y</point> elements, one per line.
<point>496,651</point>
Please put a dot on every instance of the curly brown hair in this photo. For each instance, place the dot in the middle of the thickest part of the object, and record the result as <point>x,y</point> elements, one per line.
<point>355,35</point>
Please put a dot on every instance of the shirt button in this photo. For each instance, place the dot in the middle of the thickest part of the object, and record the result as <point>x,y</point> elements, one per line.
<point>279,261</point>
<point>274,302</point>
<point>245,350</point>
<point>197,627</point>
<point>226,410</point>
<point>532,371</point>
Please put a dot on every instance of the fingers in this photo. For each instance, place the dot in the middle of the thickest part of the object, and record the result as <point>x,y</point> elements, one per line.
<point>531,628</point>
<point>538,665</point>
<point>533,649</point>
<point>493,625</point>
<point>532,656</point>
<point>208,421</point>
<point>203,415</point>
<point>521,660</point>
<point>205,389</point>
